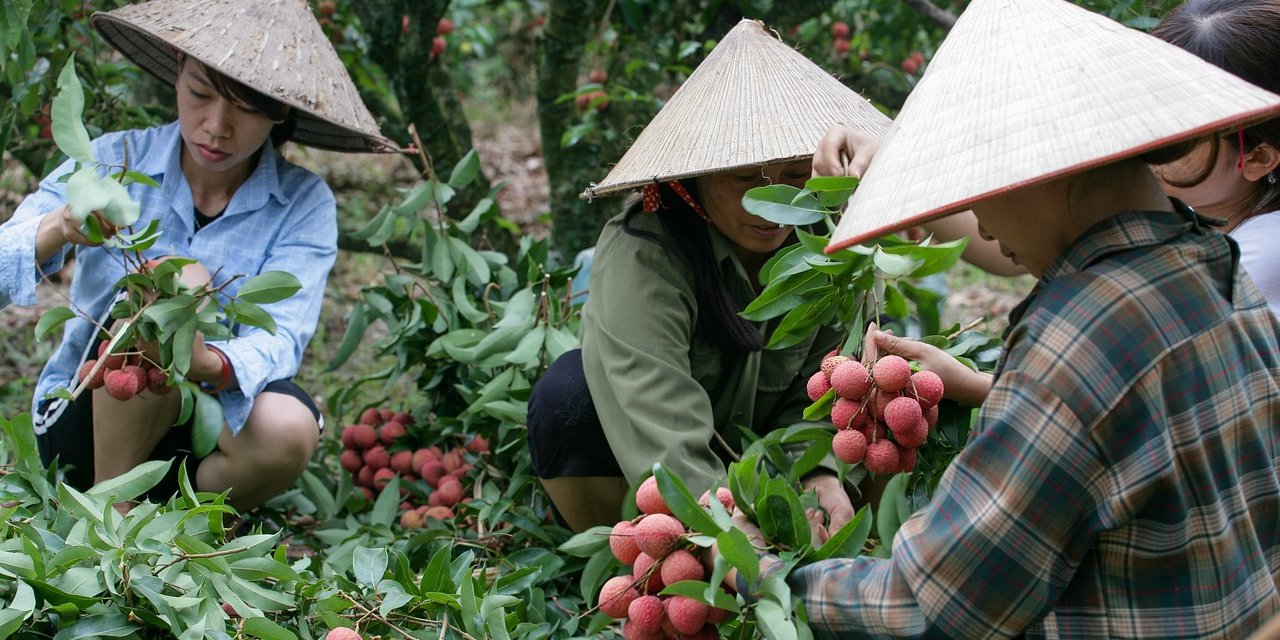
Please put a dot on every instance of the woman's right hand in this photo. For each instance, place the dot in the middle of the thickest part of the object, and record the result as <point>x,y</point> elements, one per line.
<point>960,383</point>
<point>844,151</point>
<point>61,227</point>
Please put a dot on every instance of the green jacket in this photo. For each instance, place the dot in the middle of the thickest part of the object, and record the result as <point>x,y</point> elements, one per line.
<point>659,389</point>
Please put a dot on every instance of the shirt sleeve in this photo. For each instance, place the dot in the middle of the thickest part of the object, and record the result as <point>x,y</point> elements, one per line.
<point>1009,524</point>
<point>306,248</point>
<point>19,273</point>
<point>636,336</point>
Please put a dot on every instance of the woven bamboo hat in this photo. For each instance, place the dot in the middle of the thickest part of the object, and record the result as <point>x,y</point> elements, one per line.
<point>1025,91</point>
<point>275,47</point>
<point>753,101</point>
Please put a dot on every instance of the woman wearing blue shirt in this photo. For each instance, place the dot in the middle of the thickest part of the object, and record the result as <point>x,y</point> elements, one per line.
<point>226,199</point>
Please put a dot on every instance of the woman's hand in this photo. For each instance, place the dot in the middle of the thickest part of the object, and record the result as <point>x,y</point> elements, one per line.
<point>844,151</point>
<point>833,500</point>
<point>960,383</point>
<point>61,227</point>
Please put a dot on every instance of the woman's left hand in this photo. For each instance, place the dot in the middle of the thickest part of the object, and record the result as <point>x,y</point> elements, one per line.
<point>833,499</point>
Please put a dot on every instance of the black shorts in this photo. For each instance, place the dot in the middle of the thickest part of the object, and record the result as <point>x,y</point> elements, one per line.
<point>64,430</point>
<point>565,435</point>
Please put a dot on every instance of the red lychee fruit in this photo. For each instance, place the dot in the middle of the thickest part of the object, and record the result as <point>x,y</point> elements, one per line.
<point>386,415</point>
<point>452,460</point>
<point>633,632</point>
<point>439,513</point>
<point>381,477</point>
<point>327,8</point>
<point>438,45</point>
<point>411,519</point>
<point>342,633</point>
<point>640,568</point>
<point>364,477</point>
<point>658,534</point>
<point>927,387</point>
<point>723,495</point>
<point>646,613</point>
<point>364,436</point>
<point>403,418</point>
<point>851,380</point>
<point>622,542</point>
<point>830,363</point>
<point>843,411</point>
<point>444,27</point>
<point>717,615</point>
<point>367,492</point>
<point>839,30</point>
<point>348,436</point>
<point>377,457</point>
<point>370,417</point>
<point>931,416</point>
<point>873,431</point>
<point>902,414</point>
<point>597,76</point>
<point>913,436</point>
<point>882,457</point>
<point>390,432</point>
<point>420,456</point>
<point>817,386</point>
<point>478,445</point>
<point>121,384</point>
<point>649,499</point>
<point>891,373</point>
<point>882,402</point>
<point>850,446</point>
<point>113,361</point>
<point>449,493</point>
<point>680,565</point>
<point>350,460</point>
<point>138,373</point>
<point>158,381</point>
<point>686,614</point>
<point>404,24</point>
<point>841,46</point>
<point>98,379</point>
<point>230,610</point>
<point>431,472</point>
<point>581,101</point>
<point>616,596</point>
<point>402,462</point>
<point>907,457</point>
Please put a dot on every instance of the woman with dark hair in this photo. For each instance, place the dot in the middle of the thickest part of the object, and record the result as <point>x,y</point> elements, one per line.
<point>668,371</point>
<point>1235,176</point>
<point>227,199</point>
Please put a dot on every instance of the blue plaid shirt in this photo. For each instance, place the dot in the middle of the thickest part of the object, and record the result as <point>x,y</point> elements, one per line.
<point>283,218</point>
<point>1121,481</point>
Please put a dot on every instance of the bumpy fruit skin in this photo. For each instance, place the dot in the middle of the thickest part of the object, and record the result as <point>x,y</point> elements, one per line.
<point>364,436</point>
<point>849,446</point>
<point>843,412</point>
<point>439,513</point>
<point>882,457</point>
<point>390,432</point>
<point>478,445</point>
<point>841,46</point>
<point>658,534</point>
<point>348,436</point>
<point>158,381</point>
<point>370,417</point>
<point>364,477</point>
<point>927,388</point>
<point>98,380</point>
<point>716,615</point>
<point>851,381</point>
<point>907,457</point>
<point>686,614</point>
<point>891,373</point>
<point>680,565</point>
<point>931,415</point>
<point>342,633</point>
<point>431,472</point>
<point>411,520</point>
<point>902,413</point>
<point>121,385</point>
<point>381,477</point>
<point>420,456</point>
<point>817,386</point>
<point>840,30</point>
<point>830,363</point>
<point>913,436</point>
<point>438,45</point>
<point>402,462</point>
<point>450,493</point>
<point>350,460</point>
<point>649,500</point>
<point>616,596</point>
<point>622,542</point>
<point>641,567</point>
<point>113,362</point>
<point>883,398</point>
<point>139,373</point>
<point>632,632</point>
<point>444,27</point>
<point>377,457</point>
<point>723,495</point>
<point>646,613</point>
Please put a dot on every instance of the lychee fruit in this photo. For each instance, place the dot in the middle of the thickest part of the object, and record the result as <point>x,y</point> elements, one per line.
<point>403,418</point>
<point>348,436</point>
<point>411,519</point>
<point>390,431</point>
<point>366,491</point>
<point>646,613</point>
<point>138,373</point>
<point>350,460</point>
<point>841,46</point>
<point>121,384</point>
<point>817,386</point>
<point>113,361</point>
<point>882,457</point>
<point>377,457</point>
<point>680,565</point>
<point>927,387</point>
<point>364,477</point>
<point>98,379</point>
<point>622,542</point>
<point>640,568</point>
<point>326,8</point>
<point>431,472</point>
<point>840,30</point>
<point>381,477</point>
<point>158,381</point>
<point>830,363</point>
<point>843,411</point>
<point>907,457</point>
<point>723,495</point>
<point>716,615</point>
<point>633,632</point>
<point>911,65</point>
<point>402,461</point>
<point>451,460</point>
<point>449,493</point>
<point>913,436</point>
<point>438,45</point>
<point>439,513</point>
<point>658,534</point>
<point>649,499</point>
<point>883,398</point>
<point>370,417</point>
<point>420,456</point>
<point>444,27</point>
<point>342,633</point>
<point>891,373</point>
<point>851,380</point>
<point>686,614</point>
<point>902,413</point>
<point>364,436</point>
<point>478,445</point>
<point>850,446</point>
<point>931,416</point>
<point>616,596</point>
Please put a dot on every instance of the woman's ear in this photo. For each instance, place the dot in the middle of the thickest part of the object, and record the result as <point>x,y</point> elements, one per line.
<point>1260,162</point>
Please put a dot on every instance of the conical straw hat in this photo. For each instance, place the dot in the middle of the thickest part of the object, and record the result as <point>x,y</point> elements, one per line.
<point>753,101</point>
<point>1025,91</point>
<point>275,47</point>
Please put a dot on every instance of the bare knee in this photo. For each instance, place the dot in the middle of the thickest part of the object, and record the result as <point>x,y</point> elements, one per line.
<point>282,430</point>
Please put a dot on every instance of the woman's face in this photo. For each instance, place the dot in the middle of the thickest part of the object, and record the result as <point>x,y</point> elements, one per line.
<point>721,195</point>
<point>218,135</point>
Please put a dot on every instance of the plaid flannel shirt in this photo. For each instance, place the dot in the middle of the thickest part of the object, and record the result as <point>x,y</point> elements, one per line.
<point>1121,481</point>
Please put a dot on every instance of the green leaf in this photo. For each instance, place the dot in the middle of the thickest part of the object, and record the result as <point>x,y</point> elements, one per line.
<point>369,565</point>
<point>130,176</point>
<point>783,295</point>
<point>109,625</point>
<point>802,321</point>
<point>697,590</point>
<point>737,550</point>
<point>784,204</point>
<point>67,114</point>
<point>822,408</point>
<point>773,620</point>
<point>526,352</point>
<point>477,268</point>
<point>849,540</point>
<point>357,324</point>
<point>682,503</point>
<point>781,516</point>
<point>266,629</point>
<point>888,519</point>
<point>268,287</point>
<point>465,171</point>
<point>379,220</point>
<point>208,425</point>
<point>51,320</point>
<point>832,191</point>
<point>893,265</point>
<point>132,484</point>
<point>388,502</point>
<point>251,314</point>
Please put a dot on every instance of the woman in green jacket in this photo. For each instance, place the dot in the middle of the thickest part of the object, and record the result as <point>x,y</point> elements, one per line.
<point>668,371</point>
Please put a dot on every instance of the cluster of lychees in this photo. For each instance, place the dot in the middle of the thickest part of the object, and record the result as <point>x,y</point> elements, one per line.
<point>376,450</point>
<point>124,376</point>
<point>655,548</point>
<point>882,413</point>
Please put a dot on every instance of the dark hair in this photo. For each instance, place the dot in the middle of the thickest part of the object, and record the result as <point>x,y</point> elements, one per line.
<point>685,236</point>
<point>1242,37</point>
<point>284,117</point>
